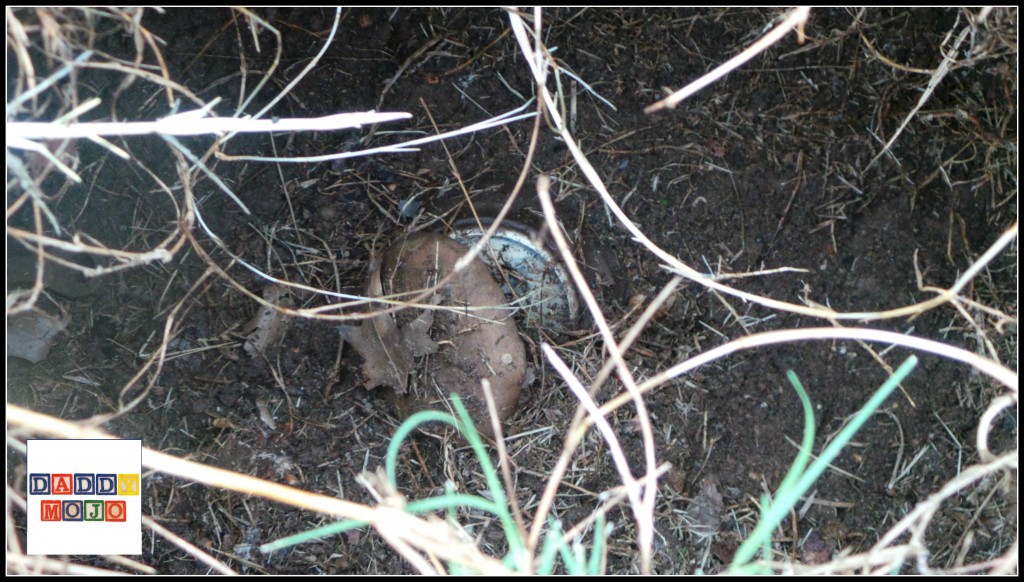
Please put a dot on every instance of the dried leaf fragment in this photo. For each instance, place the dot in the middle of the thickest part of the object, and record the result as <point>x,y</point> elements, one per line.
<point>704,513</point>
<point>267,326</point>
<point>416,333</point>
<point>388,352</point>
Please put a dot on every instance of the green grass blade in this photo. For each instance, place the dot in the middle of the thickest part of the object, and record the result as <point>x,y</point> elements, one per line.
<point>787,497</point>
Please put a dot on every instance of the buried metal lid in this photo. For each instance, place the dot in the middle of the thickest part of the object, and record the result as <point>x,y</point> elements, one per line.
<point>531,277</point>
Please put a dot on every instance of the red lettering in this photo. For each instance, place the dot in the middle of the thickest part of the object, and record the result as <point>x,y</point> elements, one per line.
<point>49,510</point>
<point>117,511</point>
<point>60,484</point>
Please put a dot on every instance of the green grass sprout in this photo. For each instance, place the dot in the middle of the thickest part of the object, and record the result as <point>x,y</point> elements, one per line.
<point>797,480</point>
<point>517,559</point>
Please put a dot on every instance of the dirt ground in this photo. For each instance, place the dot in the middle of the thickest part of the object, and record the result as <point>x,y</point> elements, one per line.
<point>773,166</point>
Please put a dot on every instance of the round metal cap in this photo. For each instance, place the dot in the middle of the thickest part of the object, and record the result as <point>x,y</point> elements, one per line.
<point>531,277</point>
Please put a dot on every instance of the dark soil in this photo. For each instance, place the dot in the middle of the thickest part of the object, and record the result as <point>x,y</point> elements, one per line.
<point>766,168</point>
